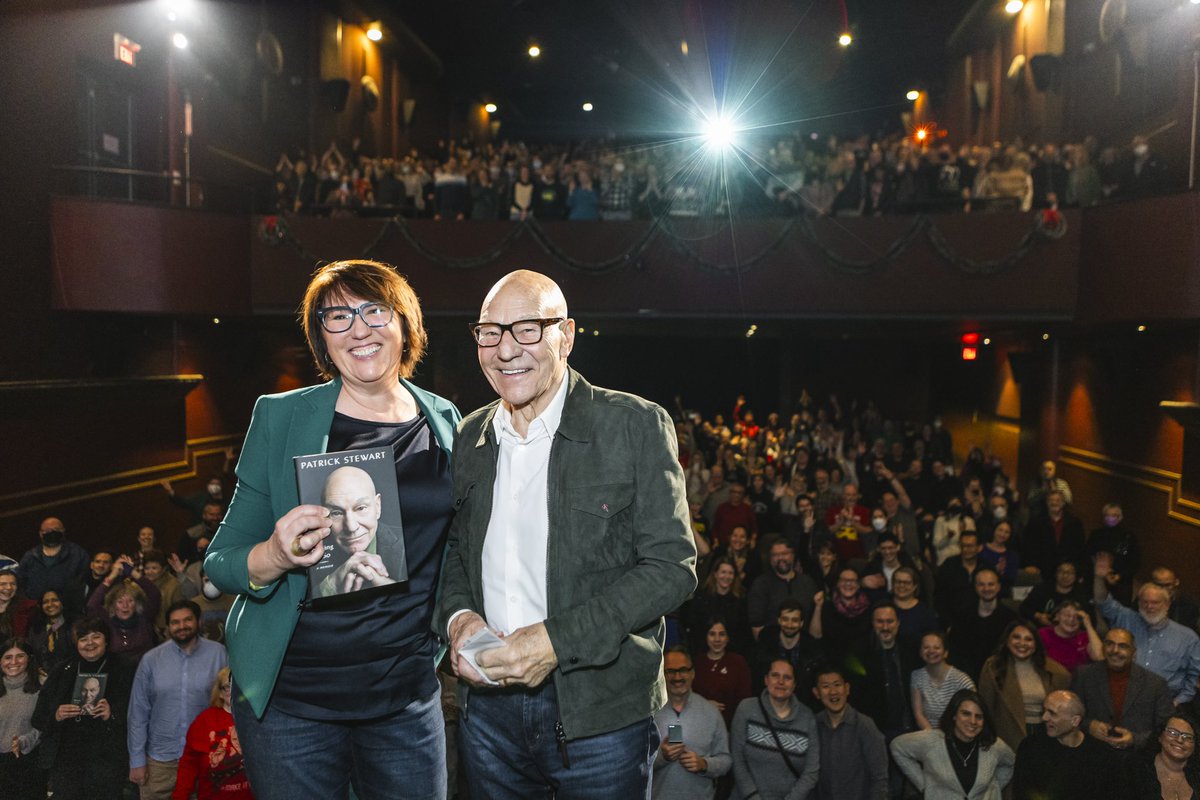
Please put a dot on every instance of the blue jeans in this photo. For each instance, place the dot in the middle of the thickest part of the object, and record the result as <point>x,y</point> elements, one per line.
<point>399,756</point>
<point>510,751</point>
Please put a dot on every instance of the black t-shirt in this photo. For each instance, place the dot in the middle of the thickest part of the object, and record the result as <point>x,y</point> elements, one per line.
<point>370,657</point>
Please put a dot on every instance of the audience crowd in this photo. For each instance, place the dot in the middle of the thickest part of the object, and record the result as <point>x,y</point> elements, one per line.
<point>794,174</point>
<point>875,618</point>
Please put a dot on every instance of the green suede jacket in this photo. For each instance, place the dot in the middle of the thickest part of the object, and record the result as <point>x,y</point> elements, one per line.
<point>261,621</point>
<point>620,551</point>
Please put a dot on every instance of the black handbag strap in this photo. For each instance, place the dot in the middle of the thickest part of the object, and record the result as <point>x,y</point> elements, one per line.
<point>775,735</point>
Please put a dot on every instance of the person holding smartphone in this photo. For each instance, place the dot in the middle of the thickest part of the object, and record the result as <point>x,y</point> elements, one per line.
<point>694,748</point>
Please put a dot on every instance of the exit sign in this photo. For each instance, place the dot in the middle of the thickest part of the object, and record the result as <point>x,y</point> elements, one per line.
<point>125,50</point>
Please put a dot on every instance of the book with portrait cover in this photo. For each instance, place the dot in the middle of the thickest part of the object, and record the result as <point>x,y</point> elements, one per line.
<point>89,691</point>
<point>364,552</point>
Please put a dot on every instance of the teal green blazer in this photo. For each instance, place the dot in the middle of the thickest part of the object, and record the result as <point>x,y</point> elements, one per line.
<point>261,621</point>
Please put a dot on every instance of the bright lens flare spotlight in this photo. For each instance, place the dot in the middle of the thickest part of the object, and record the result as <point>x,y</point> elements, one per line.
<point>913,95</point>
<point>534,51</point>
<point>718,133</point>
<point>1014,6</point>
<point>845,40</point>
<point>490,108</point>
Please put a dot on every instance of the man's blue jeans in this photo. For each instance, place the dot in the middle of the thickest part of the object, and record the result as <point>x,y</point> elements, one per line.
<point>508,744</point>
<point>399,756</point>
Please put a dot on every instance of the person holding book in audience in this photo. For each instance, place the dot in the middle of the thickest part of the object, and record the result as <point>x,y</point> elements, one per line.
<point>344,693</point>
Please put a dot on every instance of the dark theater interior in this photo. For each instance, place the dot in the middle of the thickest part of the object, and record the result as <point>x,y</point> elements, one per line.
<point>796,226</point>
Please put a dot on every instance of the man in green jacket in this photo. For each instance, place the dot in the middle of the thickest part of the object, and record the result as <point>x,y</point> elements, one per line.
<point>570,540</point>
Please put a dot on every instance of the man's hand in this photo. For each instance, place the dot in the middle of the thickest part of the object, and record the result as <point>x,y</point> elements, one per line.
<point>693,762</point>
<point>16,747</point>
<point>1119,738</point>
<point>137,775</point>
<point>463,628</point>
<point>102,710</point>
<point>671,752</point>
<point>526,659</point>
<point>1104,563</point>
<point>819,599</point>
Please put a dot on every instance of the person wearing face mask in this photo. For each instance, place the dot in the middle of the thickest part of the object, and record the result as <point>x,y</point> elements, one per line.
<point>213,491</point>
<point>54,563</point>
<point>1118,540</point>
<point>1142,174</point>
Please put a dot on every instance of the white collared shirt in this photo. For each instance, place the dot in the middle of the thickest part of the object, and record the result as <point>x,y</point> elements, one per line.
<point>514,550</point>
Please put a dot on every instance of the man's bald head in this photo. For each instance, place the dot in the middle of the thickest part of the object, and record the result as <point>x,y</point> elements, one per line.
<point>529,337</point>
<point>534,287</point>
<point>354,507</point>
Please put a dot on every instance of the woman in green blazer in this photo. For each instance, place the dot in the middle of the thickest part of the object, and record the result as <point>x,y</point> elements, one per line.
<point>344,692</point>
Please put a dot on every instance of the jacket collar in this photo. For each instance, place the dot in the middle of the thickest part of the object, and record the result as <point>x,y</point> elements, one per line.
<point>576,422</point>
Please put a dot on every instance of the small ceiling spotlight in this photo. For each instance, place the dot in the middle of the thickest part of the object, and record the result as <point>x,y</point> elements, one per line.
<point>1014,6</point>
<point>490,108</point>
<point>845,40</point>
<point>534,51</point>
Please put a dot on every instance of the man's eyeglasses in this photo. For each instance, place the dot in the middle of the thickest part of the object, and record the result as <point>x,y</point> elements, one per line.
<point>1180,735</point>
<point>673,672</point>
<point>523,331</point>
<point>338,319</point>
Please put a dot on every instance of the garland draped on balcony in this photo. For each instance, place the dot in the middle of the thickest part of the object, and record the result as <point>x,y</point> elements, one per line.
<point>1047,225</point>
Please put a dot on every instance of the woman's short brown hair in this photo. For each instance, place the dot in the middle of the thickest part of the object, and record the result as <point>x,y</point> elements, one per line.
<point>373,281</point>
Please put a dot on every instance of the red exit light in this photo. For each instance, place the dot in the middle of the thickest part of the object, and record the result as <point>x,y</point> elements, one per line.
<point>125,50</point>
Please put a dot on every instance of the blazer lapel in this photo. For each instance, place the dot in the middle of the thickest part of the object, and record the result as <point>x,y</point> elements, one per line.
<point>307,433</point>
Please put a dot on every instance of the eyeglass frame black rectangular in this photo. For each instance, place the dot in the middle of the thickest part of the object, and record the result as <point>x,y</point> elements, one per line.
<point>355,312</point>
<point>543,323</point>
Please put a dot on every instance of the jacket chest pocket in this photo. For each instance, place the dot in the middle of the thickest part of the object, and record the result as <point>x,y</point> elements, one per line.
<point>601,523</point>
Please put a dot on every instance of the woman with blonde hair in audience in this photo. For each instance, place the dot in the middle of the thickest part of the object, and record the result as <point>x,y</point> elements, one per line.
<point>131,606</point>
<point>1015,681</point>
<point>739,551</point>
<point>1072,640</point>
<point>721,597</point>
<point>20,775</point>
<point>212,765</point>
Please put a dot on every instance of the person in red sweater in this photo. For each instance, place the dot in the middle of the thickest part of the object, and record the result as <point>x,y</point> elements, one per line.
<point>735,513</point>
<point>211,765</point>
